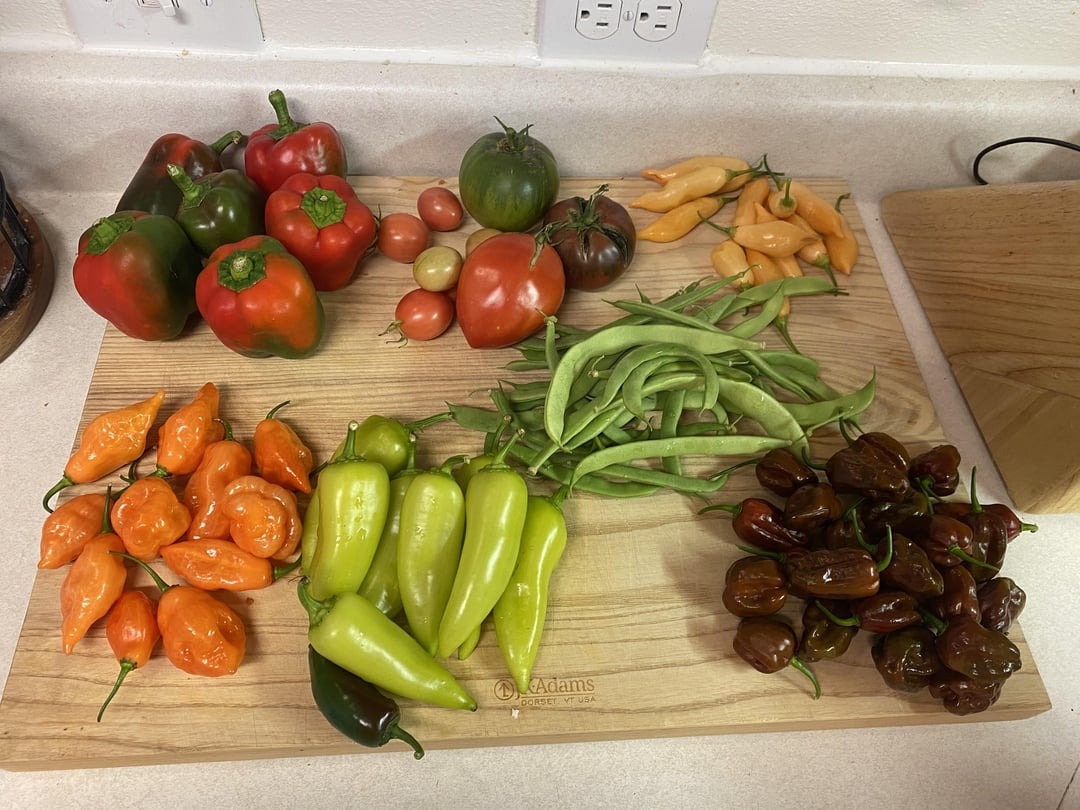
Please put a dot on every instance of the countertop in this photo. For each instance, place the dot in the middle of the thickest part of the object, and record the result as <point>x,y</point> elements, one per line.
<point>1031,763</point>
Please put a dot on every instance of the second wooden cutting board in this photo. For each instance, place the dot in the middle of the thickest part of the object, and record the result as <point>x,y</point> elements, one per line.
<point>997,270</point>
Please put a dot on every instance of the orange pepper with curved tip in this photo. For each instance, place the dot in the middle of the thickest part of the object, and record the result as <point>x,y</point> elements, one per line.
<point>212,565</point>
<point>755,192</point>
<point>109,442</point>
<point>68,529</point>
<point>92,585</point>
<point>843,247</point>
<point>280,455</point>
<point>822,217</point>
<point>776,238</point>
<point>701,182</point>
<point>186,434</point>
<point>662,176</point>
<point>132,632</point>
<point>200,634</point>
<point>222,463</point>
<point>729,260</point>
<point>148,516</point>
<point>264,518</point>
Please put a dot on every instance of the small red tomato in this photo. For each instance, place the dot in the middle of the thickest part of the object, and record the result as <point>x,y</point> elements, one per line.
<point>402,237</point>
<point>423,314</point>
<point>439,208</point>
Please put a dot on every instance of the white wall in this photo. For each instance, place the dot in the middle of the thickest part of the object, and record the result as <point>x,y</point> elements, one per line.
<point>838,36</point>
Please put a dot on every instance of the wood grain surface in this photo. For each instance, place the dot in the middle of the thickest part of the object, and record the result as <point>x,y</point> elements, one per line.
<point>996,270</point>
<point>637,644</point>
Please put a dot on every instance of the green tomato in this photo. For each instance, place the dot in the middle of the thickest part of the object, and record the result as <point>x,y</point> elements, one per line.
<point>508,180</point>
<point>437,268</point>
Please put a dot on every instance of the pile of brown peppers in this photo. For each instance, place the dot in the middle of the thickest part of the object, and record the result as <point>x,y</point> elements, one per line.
<point>873,545</point>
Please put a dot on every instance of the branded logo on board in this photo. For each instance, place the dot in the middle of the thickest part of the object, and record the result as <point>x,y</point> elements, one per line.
<point>547,691</point>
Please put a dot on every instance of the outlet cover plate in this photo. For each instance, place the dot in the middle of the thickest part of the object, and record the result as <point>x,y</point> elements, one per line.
<point>221,26</point>
<point>560,39</point>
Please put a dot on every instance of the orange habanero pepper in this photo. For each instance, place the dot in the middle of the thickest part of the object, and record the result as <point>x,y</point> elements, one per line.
<point>186,434</point>
<point>92,585</point>
<point>149,516</point>
<point>68,529</point>
<point>222,463</point>
<point>133,633</point>
<point>201,635</point>
<point>264,518</point>
<point>109,442</point>
<point>212,565</point>
<point>280,456</point>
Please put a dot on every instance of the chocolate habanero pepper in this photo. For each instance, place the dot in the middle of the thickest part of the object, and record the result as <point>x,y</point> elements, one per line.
<point>109,442</point>
<point>220,565</point>
<point>761,524</point>
<point>960,596</point>
<point>906,659</point>
<point>354,499</point>
<point>843,573</point>
<point>93,584</point>
<point>259,300</point>
<point>962,695</point>
<point>768,645</point>
<point>200,634</point>
<point>350,631</point>
<point>148,516</point>
<point>1001,601</point>
<point>911,571</point>
<point>223,462</point>
<point>68,529</point>
<point>965,646</point>
<point>132,632</point>
<point>811,507</point>
<point>217,209</point>
<point>872,466</point>
<point>496,503</point>
<point>183,439</point>
<point>754,586</point>
<point>937,471</point>
<point>321,222</point>
<point>264,519</point>
<point>822,639</point>
<point>946,540</point>
<point>782,472</point>
<point>883,612</point>
<point>430,534</point>
<point>281,457</point>
<point>138,272</point>
<point>151,190</point>
<point>520,613</point>
<point>277,151</point>
<point>355,707</point>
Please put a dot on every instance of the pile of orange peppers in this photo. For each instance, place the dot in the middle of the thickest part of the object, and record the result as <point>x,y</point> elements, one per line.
<point>219,515</point>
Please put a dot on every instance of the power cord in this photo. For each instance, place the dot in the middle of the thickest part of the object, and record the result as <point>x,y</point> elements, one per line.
<point>1010,141</point>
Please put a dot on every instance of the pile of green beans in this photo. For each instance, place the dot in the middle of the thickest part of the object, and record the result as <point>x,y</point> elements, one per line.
<point>616,410</point>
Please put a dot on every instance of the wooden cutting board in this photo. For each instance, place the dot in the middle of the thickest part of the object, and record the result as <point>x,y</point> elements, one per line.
<point>637,643</point>
<point>997,269</point>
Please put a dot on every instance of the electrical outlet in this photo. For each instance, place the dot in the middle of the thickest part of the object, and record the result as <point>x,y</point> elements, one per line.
<point>672,31</point>
<point>657,20</point>
<point>230,26</point>
<point>598,19</point>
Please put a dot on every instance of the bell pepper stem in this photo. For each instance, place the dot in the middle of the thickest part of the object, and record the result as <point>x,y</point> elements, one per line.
<point>226,140</point>
<point>63,483</point>
<point>286,124</point>
<point>323,206</point>
<point>805,670</point>
<point>192,193</point>
<point>125,667</point>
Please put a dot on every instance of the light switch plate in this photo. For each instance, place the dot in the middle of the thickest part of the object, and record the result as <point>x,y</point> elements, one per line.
<point>224,26</point>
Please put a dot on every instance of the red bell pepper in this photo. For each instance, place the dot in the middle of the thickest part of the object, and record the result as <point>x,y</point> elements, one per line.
<point>138,272</point>
<point>152,190</point>
<point>321,222</point>
<point>275,152</point>
<point>259,300</point>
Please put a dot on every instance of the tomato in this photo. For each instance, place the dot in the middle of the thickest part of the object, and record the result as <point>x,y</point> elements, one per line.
<point>437,268</point>
<point>423,314</point>
<point>508,179</point>
<point>477,237</point>
<point>595,238</point>
<point>402,237</point>
<point>439,208</point>
<point>506,288</point>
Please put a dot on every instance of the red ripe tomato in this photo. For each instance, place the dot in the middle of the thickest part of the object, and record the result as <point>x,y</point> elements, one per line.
<point>439,208</point>
<point>505,289</point>
<point>402,237</point>
<point>423,314</point>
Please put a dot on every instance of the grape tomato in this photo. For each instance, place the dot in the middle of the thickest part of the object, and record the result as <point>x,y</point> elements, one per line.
<point>402,237</point>
<point>440,209</point>
<point>437,268</point>
<point>423,314</point>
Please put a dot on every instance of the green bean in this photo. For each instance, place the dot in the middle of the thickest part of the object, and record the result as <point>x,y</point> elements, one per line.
<point>618,339</point>
<point>526,365</point>
<point>791,360</point>
<point>844,407</point>
<point>757,404</point>
<point>551,354</point>
<point>597,486</point>
<point>770,372</point>
<point>585,383</point>
<point>662,315</point>
<point>660,379</point>
<point>532,392</point>
<point>473,418</point>
<point>755,324</point>
<point>627,362</point>
<point>679,446</point>
<point>669,426</point>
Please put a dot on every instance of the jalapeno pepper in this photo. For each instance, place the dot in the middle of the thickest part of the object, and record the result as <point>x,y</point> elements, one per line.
<point>355,707</point>
<point>354,498</point>
<point>522,609</point>
<point>495,506</point>
<point>350,631</point>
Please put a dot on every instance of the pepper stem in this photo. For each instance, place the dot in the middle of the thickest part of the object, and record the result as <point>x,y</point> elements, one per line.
<point>193,193</point>
<point>500,455</point>
<point>226,140</point>
<point>273,411</point>
<point>887,559</point>
<point>956,551</point>
<point>976,507</point>
<point>323,206</point>
<point>316,610</point>
<point>348,449</point>
<point>832,617</point>
<point>559,496</point>
<point>805,670</point>
<point>396,732</point>
<point>421,424</point>
<point>106,231</point>
<point>731,508</point>
<point>286,124</point>
<point>162,584</point>
<point>284,570</point>
<point>125,667</point>
<point>63,483</point>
